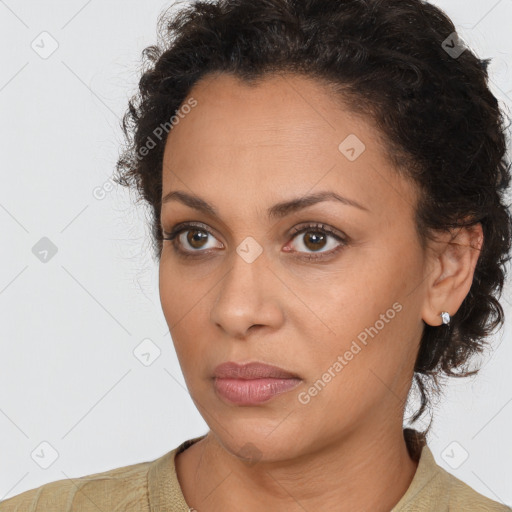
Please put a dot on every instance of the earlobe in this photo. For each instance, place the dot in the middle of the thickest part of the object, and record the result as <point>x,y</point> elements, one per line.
<point>456,255</point>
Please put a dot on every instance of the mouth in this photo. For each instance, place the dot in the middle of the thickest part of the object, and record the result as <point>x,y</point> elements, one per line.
<point>252,383</point>
<point>254,370</point>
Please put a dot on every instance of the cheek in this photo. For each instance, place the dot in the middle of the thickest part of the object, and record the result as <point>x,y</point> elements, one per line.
<point>360,323</point>
<point>356,371</point>
<point>182,305</point>
<point>181,292</point>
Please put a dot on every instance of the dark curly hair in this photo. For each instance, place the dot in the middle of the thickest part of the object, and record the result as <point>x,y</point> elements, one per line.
<point>388,60</point>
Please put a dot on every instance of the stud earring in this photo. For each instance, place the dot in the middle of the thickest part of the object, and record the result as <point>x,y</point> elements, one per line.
<point>446,317</point>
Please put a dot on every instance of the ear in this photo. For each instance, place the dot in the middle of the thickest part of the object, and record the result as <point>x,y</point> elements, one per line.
<point>452,263</point>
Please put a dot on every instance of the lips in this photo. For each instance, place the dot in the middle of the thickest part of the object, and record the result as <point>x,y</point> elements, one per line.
<point>252,384</point>
<point>232,370</point>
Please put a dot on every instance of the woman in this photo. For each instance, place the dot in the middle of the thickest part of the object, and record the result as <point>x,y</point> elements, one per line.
<point>327,186</point>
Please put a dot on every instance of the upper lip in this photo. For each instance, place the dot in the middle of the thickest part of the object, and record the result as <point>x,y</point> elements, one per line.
<point>254,370</point>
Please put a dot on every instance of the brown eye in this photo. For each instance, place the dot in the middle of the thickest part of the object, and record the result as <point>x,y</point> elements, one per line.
<point>196,237</point>
<point>188,239</point>
<point>314,238</point>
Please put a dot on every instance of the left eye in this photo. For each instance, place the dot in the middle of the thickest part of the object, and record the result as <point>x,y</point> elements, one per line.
<point>316,237</point>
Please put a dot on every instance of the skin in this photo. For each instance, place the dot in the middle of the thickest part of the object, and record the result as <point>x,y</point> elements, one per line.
<point>243,149</point>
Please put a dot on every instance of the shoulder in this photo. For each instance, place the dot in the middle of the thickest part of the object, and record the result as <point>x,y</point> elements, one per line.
<point>123,488</point>
<point>464,497</point>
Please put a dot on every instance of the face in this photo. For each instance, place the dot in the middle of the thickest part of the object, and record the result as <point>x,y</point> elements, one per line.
<point>329,290</point>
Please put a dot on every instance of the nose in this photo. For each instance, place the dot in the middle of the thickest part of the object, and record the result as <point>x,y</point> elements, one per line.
<point>249,295</point>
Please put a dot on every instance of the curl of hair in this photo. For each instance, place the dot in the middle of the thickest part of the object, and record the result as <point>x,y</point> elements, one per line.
<point>384,59</point>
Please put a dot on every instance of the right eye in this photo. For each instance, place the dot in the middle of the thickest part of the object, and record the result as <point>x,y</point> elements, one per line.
<point>194,236</point>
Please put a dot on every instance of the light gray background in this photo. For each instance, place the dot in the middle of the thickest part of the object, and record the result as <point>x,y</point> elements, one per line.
<point>68,374</point>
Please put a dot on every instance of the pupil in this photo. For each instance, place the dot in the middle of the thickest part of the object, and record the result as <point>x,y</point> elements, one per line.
<point>317,238</point>
<point>196,237</point>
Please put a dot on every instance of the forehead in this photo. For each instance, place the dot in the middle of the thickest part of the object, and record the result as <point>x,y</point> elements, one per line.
<point>286,135</point>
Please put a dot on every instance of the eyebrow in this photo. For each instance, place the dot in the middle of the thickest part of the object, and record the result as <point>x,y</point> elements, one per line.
<point>278,210</point>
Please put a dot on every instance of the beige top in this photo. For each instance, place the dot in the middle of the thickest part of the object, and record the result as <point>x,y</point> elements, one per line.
<point>153,487</point>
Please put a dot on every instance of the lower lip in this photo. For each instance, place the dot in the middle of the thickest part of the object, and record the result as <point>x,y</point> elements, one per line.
<point>252,391</point>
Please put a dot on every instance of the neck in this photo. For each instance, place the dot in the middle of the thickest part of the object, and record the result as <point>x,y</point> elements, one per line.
<point>363,471</point>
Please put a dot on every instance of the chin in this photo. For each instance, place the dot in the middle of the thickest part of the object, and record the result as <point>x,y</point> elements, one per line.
<point>259,440</point>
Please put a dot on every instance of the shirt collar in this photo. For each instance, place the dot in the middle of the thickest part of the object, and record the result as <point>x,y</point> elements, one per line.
<point>164,491</point>
<point>426,491</point>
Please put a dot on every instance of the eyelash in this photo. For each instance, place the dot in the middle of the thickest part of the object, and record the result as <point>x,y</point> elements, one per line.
<point>316,227</point>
